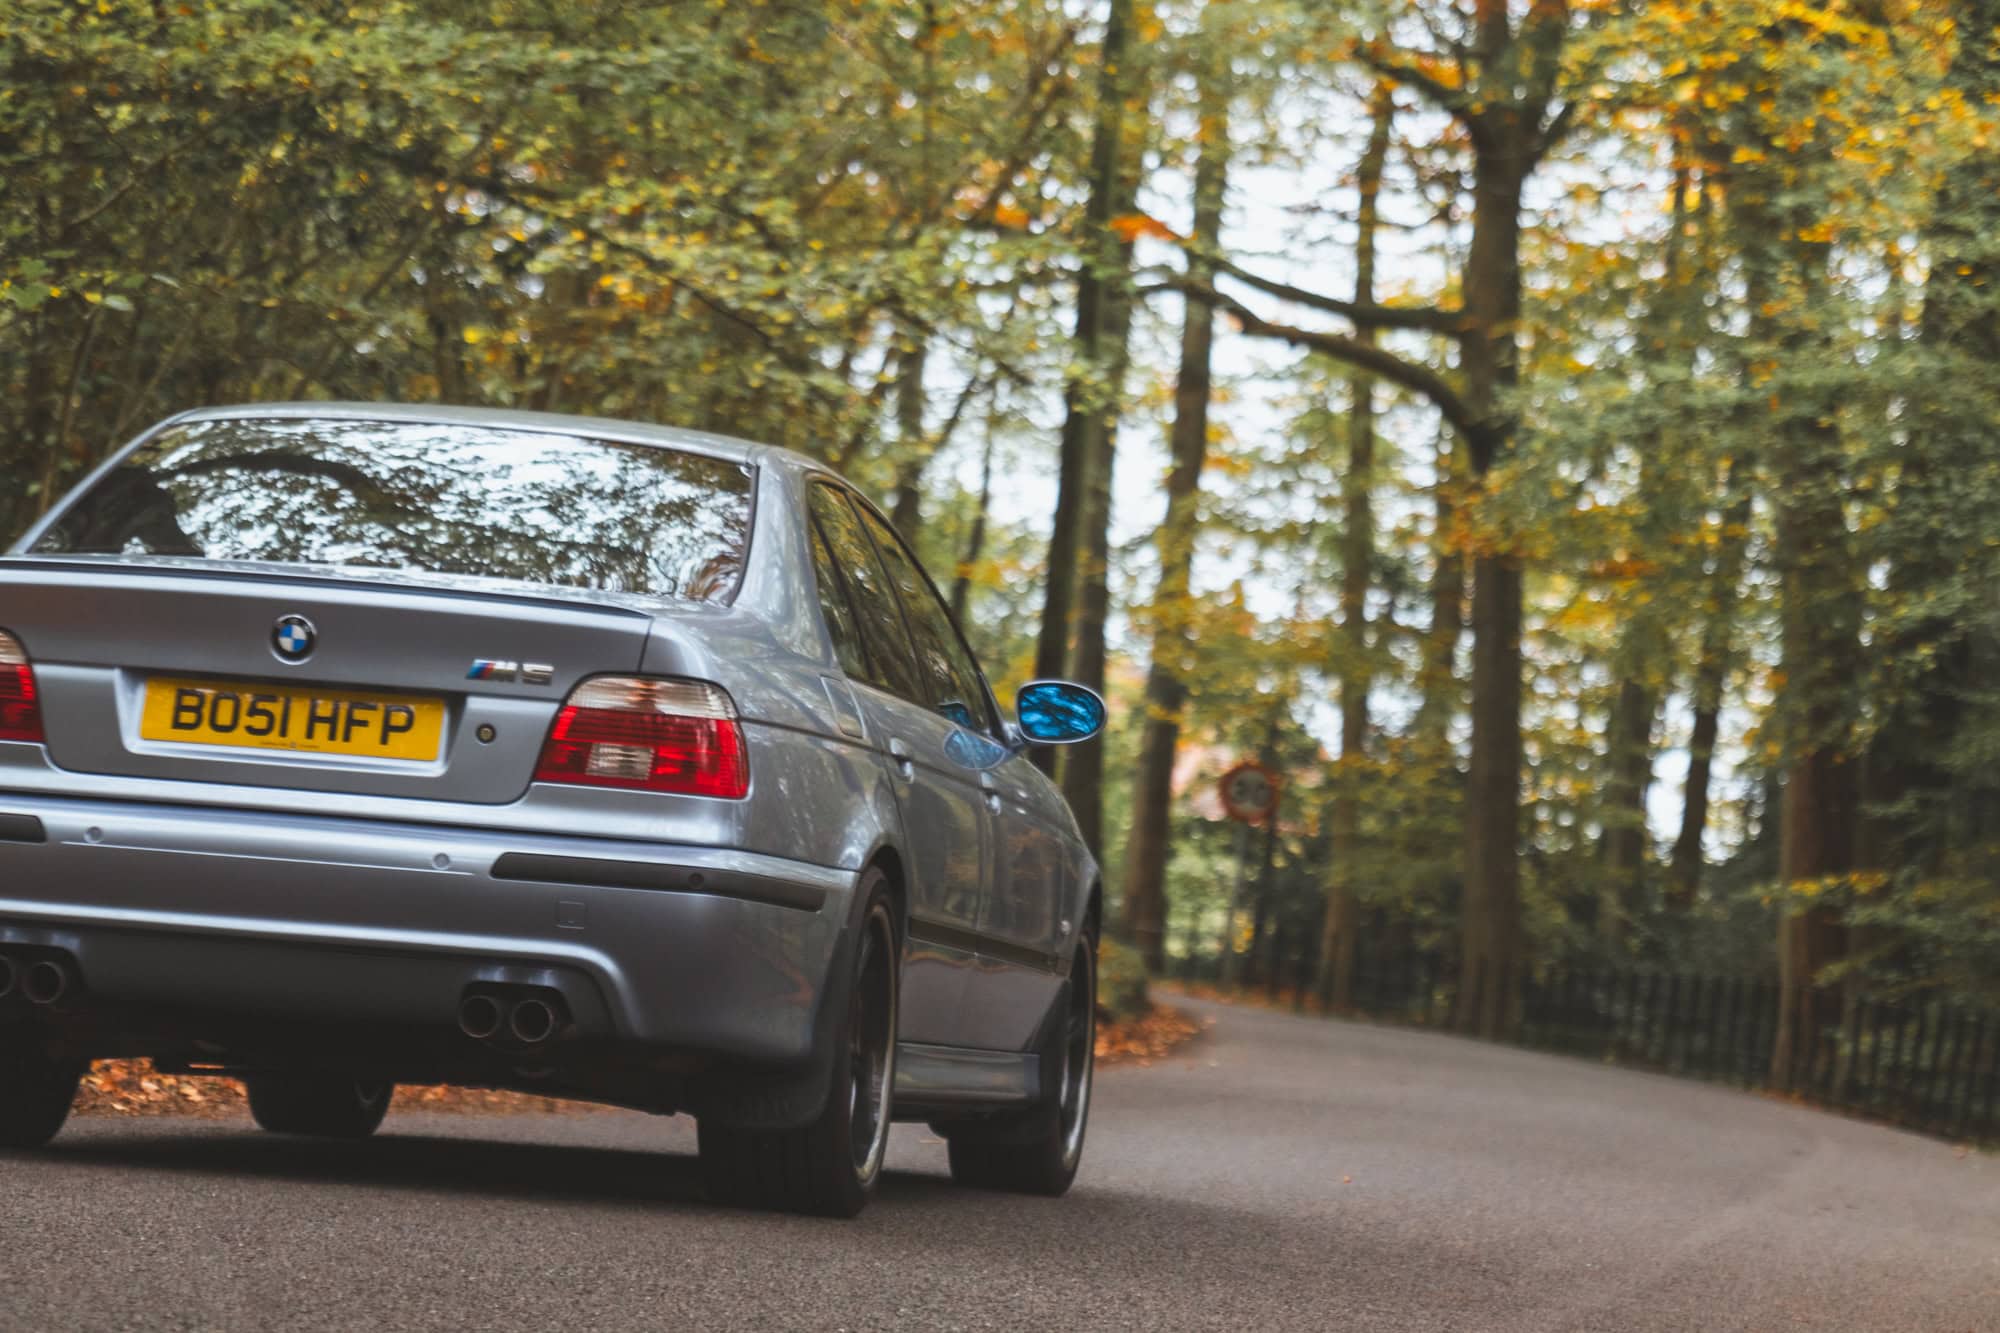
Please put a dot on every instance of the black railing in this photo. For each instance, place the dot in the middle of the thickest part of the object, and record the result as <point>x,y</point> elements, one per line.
<point>1930,1064</point>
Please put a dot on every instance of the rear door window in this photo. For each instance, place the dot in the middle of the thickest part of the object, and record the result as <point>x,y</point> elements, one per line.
<point>422,497</point>
<point>891,660</point>
<point>835,609</point>
<point>956,689</point>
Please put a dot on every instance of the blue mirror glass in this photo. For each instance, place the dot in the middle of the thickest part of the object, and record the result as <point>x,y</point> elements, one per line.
<point>1055,712</point>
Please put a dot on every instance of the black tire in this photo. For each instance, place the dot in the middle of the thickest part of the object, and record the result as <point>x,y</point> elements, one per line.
<point>35,1097</point>
<point>321,1106</point>
<point>1039,1152</point>
<point>830,1167</point>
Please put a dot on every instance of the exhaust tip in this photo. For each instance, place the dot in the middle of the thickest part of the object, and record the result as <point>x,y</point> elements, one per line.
<point>479,1016</point>
<point>532,1022</point>
<point>9,974</point>
<point>47,981</point>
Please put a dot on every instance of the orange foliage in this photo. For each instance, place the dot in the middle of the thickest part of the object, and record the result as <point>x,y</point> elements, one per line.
<point>1131,226</point>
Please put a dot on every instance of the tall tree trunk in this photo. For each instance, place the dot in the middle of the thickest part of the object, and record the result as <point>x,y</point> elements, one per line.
<point>1085,396</point>
<point>1629,777</point>
<point>1821,660</point>
<point>1235,966</point>
<point>906,507</point>
<point>1144,898</point>
<point>975,538</point>
<point>1639,662</point>
<point>1343,904</point>
<point>1437,676</point>
<point>1083,765</point>
<point>1711,678</point>
<point>1490,951</point>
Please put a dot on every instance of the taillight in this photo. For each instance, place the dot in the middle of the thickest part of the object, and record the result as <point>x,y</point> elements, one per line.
<point>648,735</point>
<point>20,707</point>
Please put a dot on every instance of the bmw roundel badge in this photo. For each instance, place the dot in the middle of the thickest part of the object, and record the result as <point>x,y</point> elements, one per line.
<point>293,638</point>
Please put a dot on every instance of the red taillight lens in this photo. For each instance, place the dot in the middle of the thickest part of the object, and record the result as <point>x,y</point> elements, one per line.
<point>648,735</point>
<point>20,706</point>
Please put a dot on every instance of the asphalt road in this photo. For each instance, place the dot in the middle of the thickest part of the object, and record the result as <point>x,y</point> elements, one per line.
<point>1281,1173</point>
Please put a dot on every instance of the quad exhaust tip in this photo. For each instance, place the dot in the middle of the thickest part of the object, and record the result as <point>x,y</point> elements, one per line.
<point>46,982</point>
<point>532,1022</point>
<point>479,1017</point>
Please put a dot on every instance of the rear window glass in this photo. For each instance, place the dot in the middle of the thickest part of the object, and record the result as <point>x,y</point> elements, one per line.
<point>425,497</point>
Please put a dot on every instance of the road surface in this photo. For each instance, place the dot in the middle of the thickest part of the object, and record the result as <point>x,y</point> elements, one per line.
<point>1280,1173</point>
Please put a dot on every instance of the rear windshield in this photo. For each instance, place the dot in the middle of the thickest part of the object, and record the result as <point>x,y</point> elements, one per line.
<point>424,497</point>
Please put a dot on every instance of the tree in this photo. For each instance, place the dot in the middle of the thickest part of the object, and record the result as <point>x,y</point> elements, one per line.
<point>1144,896</point>
<point>1343,902</point>
<point>1091,389</point>
<point>1505,81</point>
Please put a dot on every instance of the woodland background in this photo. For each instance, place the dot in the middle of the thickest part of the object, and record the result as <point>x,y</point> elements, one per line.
<point>1558,437</point>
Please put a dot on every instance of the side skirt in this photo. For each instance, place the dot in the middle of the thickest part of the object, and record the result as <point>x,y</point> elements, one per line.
<point>933,1079</point>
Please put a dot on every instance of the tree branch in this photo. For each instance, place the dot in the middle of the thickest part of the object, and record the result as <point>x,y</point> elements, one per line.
<point>1426,319</point>
<point>1385,62</point>
<point>1421,380</point>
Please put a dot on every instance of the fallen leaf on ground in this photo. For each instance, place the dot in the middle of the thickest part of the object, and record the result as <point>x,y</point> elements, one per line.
<point>1144,1039</point>
<point>131,1088</point>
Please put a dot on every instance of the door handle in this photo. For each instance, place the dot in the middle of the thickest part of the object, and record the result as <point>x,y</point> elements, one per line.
<point>991,791</point>
<point>905,768</point>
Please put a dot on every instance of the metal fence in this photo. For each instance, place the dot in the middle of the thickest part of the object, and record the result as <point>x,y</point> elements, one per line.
<point>1929,1064</point>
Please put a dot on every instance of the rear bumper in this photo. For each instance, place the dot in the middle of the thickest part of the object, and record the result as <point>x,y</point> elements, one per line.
<point>691,951</point>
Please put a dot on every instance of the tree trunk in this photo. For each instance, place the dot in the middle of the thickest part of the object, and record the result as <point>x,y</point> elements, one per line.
<point>1711,677</point>
<point>1437,678</point>
<point>1489,975</point>
<point>1343,903</point>
<point>906,507</point>
<point>1083,765</point>
<point>1821,660</point>
<point>1489,980</point>
<point>1145,908</point>
<point>1641,661</point>
<point>975,539</point>
<point>1629,776</point>
<point>1085,396</point>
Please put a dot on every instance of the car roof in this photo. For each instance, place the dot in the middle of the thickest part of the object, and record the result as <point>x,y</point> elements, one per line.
<point>703,442</point>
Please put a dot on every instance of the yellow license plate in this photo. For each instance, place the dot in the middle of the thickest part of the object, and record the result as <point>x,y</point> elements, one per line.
<point>283,717</point>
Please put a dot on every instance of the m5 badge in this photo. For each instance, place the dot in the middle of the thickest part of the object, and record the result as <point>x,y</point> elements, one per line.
<point>528,673</point>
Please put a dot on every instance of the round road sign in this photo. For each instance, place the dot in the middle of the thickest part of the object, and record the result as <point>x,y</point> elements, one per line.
<point>1250,792</point>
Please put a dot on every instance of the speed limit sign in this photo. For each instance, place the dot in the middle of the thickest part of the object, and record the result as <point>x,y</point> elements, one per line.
<point>1250,792</point>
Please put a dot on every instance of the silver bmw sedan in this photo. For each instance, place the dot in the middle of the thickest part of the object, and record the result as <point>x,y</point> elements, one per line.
<point>350,745</point>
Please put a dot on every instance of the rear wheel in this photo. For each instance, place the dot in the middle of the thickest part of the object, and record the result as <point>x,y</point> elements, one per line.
<point>35,1096</point>
<point>830,1166</point>
<point>323,1106</point>
<point>1038,1153</point>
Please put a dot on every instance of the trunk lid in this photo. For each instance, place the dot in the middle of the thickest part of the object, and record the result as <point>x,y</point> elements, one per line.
<point>118,646</point>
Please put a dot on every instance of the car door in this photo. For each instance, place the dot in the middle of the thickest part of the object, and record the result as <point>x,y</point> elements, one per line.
<point>1025,922</point>
<point>946,823</point>
<point>1020,912</point>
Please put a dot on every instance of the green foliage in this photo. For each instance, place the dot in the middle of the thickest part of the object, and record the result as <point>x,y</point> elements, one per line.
<point>721,216</point>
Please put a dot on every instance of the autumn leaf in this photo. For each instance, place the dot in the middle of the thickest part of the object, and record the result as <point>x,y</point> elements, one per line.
<point>1131,226</point>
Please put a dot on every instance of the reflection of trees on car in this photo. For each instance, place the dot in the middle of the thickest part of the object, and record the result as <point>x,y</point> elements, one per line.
<point>446,499</point>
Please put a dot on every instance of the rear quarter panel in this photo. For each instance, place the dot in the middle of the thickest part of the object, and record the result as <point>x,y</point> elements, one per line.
<point>819,792</point>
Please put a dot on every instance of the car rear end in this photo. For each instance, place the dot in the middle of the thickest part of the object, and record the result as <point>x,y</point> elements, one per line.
<point>406,745</point>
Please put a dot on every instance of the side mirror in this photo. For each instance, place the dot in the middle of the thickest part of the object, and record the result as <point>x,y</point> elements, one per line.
<point>1055,712</point>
